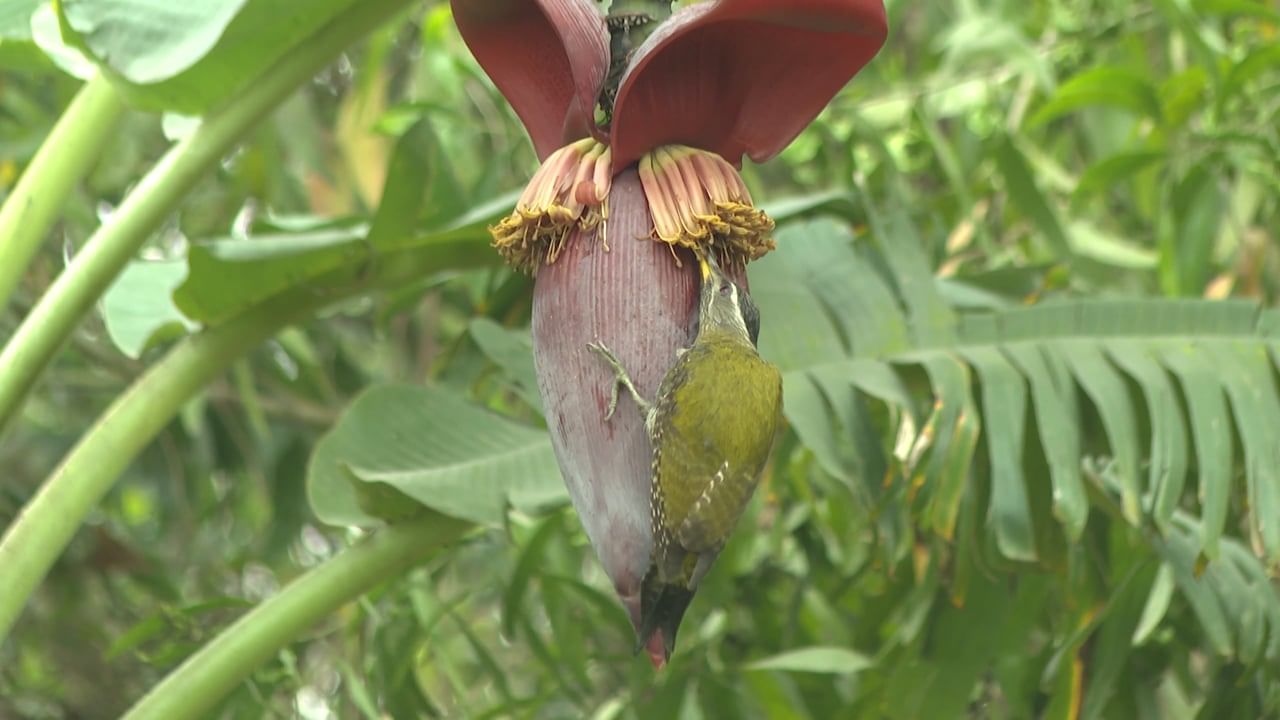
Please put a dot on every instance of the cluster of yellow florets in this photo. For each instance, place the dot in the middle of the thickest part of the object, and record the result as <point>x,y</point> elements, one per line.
<point>696,198</point>
<point>570,190</point>
<point>699,201</point>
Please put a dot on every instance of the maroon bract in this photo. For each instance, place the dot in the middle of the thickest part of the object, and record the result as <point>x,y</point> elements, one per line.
<point>716,81</point>
<point>547,57</point>
<point>741,77</point>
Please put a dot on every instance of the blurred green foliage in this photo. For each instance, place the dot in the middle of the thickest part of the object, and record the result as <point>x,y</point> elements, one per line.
<point>1008,153</point>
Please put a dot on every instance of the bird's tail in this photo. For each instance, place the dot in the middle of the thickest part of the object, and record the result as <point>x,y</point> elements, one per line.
<point>662,607</point>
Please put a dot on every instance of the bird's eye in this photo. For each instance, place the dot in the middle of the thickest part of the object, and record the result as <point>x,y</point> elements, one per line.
<point>726,288</point>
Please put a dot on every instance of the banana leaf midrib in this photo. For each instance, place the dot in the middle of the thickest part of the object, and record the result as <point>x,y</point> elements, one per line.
<point>1098,346</point>
<point>1181,321</point>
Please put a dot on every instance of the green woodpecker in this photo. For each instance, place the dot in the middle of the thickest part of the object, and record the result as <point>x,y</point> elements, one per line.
<point>711,427</point>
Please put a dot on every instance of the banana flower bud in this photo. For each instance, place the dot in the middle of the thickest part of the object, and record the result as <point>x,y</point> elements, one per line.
<point>608,220</point>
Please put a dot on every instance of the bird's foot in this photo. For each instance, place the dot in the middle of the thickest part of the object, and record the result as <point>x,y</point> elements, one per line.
<point>621,378</point>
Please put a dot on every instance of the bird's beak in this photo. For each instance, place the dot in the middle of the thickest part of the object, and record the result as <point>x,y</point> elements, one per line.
<point>705,266</point>
<point>708,266</point>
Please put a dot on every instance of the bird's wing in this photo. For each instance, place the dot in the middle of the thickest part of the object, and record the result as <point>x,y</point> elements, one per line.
<point>722,456</point>
<point>716,511</point>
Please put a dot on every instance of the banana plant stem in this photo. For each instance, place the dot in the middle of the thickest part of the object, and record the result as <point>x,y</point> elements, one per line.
<point>215,670</point>
<point>69,152</point>
<point>33,541</point>
<point>48,522</point>
<point>54,317</point>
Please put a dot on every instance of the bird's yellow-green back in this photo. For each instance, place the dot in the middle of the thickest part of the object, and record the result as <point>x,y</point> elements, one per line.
<point>715,422</point>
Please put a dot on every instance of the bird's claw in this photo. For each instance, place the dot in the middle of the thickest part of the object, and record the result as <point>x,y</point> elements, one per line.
<point>620,379</point>
<point>613,400</point>
<point>603,351</point>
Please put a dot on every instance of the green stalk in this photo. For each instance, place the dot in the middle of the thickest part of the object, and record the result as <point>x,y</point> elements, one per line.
<point>113,244</point>
<point>65,157</point>
<point>48,522</point>
<point>217,668</point>
<point>659,10</point>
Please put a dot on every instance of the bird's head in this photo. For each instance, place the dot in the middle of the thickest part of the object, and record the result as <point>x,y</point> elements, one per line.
<point>723,305</point>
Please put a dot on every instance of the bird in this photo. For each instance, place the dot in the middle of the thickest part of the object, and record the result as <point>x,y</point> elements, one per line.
<point>711,427</point>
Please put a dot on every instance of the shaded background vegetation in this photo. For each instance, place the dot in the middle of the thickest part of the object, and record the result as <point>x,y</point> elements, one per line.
<point>1030,150</point>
